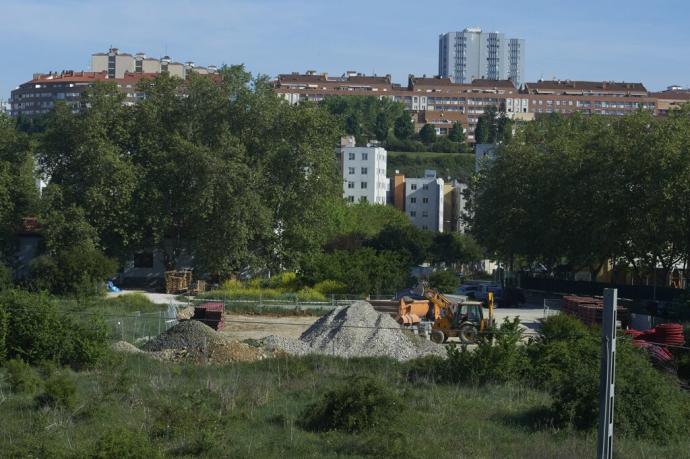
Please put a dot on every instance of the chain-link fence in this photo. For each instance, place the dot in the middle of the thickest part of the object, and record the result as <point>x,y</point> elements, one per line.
<point>136,326</point>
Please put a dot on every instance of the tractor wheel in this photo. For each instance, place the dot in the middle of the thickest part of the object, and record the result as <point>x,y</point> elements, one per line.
<point>468,334</point>
<point>438,337</point>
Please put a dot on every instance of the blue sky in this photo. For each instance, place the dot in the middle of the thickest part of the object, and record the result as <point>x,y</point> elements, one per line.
<point>632,40</point>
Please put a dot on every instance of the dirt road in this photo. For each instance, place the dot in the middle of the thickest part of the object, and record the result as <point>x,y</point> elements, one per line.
<point>241,327</point>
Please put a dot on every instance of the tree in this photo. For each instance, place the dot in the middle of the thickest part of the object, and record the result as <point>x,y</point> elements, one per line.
<point>427,134</point>
<point>404,128</point>
<point>406,240</point>
<point>382,127</point>
<point>454,248</point>
<point>481,131</point>
<point>456,133</point>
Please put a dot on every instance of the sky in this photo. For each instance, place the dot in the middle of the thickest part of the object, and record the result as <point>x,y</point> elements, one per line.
<point>633,41</point>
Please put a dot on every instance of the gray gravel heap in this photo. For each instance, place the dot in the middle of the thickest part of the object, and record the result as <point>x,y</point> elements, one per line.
<point>188,334</point>
<point>357,331</point>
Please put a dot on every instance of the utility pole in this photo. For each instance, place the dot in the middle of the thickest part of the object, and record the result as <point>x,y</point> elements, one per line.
<point>607,374</point>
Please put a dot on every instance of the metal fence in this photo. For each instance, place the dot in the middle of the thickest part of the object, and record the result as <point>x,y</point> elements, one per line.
<point>136,326</point>
<point>552,307</point>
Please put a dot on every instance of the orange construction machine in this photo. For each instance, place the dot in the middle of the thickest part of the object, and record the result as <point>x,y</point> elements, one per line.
<point>446,318</point>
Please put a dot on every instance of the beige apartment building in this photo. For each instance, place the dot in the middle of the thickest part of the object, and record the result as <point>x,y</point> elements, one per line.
<point>116,64</point>
<point>440,102</point>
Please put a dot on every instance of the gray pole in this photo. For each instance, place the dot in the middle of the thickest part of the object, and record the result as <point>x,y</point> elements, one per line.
<point>607,374</point>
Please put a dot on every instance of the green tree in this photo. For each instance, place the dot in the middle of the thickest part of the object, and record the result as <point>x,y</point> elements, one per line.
<point>452,248</point>
<point>427,134</point>
<point>481,130</point>
<point>403,128</point>
<point>382,127</point>
<point>456,133</point>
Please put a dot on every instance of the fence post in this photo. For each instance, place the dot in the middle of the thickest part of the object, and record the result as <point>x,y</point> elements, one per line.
<point>607,374</point>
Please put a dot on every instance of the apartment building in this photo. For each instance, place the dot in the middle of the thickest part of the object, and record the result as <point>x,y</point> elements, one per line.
<point>117,64</point>
<point>39,95</point>
<point>439,100</point>
<point>589,97</point>
<point>364,173</point>
<point>472,54</point>
<point>423,200</point>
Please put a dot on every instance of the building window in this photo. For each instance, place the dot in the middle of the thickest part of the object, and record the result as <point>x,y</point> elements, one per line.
<point>363,199</point>
<point>350,199</point>
<point>413,200</point>
<point>425,213</point>
<point>425,200</point>
<point>365,156</point>
<point>351,170</point>
<point>424,227</point>
<point>364,171</point>
<point>363,185</point>
<point>350,184</point>
<point>413,213</point>
<point>425,187</point>
<point>413,186</point>
<point>351,156</point>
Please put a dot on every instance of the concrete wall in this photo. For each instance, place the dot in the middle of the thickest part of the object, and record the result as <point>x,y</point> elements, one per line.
<point>99,63</point>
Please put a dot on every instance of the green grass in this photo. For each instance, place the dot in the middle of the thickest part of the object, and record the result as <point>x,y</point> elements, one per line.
<point>253,409</point>
<point>128,317</point>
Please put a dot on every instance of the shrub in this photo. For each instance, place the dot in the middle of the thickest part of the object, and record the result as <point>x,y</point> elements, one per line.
<point>329,286</point>
<point>133,302</point>
<point>4,324</point>
<point>443,281</point>
<point>359,405</point>
<point>22,377</point>
<point>231,284</point>
<point>124,444</point>
<point>36,331</point>
<point>566,363</point>
<point>60,391</point>
<point>562,327</point>
<point>284,281</point>
<point>5,277</point>
<point>74,270</point>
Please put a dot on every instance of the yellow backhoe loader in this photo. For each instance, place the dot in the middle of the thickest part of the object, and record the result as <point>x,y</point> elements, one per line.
<point>446,318</point>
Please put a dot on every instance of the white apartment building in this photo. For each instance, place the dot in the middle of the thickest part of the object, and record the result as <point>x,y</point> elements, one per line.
<point>424,201</point>
<point>473,54</point>
<point>364,174</point>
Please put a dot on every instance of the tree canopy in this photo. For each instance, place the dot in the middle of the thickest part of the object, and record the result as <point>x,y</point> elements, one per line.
<point>584,190</point>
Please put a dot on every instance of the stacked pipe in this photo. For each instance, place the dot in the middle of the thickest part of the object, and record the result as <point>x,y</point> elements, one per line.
<point>211,314</point>
<point>588,310</point>
<point>655,340</point>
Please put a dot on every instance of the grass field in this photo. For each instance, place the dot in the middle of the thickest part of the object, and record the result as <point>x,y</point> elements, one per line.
<point>253,410</point>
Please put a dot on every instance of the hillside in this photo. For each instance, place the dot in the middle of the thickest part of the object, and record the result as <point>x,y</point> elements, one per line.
<point>413,164</point>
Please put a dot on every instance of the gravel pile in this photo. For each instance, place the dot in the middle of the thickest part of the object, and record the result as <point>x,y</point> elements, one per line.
<point>189,335</point>
<point>192,341</point>
<point>357,331</point>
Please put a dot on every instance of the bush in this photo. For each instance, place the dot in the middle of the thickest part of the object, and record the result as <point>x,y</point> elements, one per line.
<point>124,444</point>
<point>329,286</point>
<point>565,361</point>
<point>310,294</point>
<point>81,269</point>
<point>5,277</point>
<point>37,331</point>
<point>4,324</point>
<point>60,391</point>
<point>443,281</point>
<point>22,378</point>
<point>360,405</point>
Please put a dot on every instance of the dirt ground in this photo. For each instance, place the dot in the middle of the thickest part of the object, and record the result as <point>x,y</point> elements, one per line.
<point>241,327</point>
